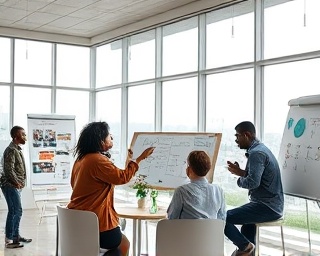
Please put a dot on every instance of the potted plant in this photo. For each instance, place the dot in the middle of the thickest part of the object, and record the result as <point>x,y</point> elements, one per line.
<point>142,188</point>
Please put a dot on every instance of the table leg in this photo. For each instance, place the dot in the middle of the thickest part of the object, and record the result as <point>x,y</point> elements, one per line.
<point>139,238</point>
<point>134,236</point>
<point>147,246</point>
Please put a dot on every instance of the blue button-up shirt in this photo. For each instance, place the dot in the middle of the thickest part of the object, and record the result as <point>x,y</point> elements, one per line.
<point>263,179</point>
<point>197,200</point>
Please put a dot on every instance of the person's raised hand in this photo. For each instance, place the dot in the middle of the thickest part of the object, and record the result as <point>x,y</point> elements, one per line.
<point>146,153</point>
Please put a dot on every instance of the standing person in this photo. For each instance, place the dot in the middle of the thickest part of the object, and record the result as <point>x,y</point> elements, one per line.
<point>263,180</point>
<point>198,199</point>
<point>13,180</point>
<point>93,179</point>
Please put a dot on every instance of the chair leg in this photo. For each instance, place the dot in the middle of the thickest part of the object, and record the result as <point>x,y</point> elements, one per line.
<point>257,241</point>
<point>282,239</point>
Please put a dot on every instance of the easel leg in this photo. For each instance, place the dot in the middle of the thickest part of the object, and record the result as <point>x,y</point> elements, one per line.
<point>308,223</point>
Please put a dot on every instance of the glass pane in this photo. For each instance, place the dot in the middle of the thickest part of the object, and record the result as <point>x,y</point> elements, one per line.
<point>287,31</point>
<point>32,62</point>
<point>4,118</point>
<point>179,111</point>
<point>108,105</point>
<point>109,64</point>
<point>227,105</point>
<point>180,47</point>
<point>4,113</point>
<point>67,105</point>
<point>283,83</point>
<point>141,112</point>
<point>30,101</point>
<point>73,66</point>
<point>142,56</point>
<point>5,61</point>
<point>230,31</point>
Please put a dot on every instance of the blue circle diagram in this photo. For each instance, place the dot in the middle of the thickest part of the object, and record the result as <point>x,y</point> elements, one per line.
<point>300,127</point>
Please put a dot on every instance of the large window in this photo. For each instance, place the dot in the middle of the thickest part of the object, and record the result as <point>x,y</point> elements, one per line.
<point>109,110</point>
<point>180,101</point>
<point>73,66</point>
<point>141,56</point>
<point>141,109</point>
<point>291,27</point>
<point>30,101</point>
<point>4,113</point>
<point>109,64</point>
<point>32,62</point>
<point>180,47</point>
<point>5,60</point>
<point>230,35</point>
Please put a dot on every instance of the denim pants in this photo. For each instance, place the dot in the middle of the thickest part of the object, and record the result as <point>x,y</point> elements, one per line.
<point>13,198</point>
<point>247,215</point>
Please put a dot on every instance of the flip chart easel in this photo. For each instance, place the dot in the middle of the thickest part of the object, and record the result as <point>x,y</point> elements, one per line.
<point>166,167</point>
<point>299,156</point>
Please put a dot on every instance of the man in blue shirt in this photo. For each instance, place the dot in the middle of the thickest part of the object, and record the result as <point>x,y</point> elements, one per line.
<point>262,178</point>
<point>198,199</point>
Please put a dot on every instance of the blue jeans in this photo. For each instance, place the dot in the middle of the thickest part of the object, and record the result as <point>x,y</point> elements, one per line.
<point>13,198</point>
<point>247,215</point>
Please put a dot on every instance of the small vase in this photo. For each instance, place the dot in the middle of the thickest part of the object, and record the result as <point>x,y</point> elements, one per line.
<point>142,202</point>
<point>154,206</point>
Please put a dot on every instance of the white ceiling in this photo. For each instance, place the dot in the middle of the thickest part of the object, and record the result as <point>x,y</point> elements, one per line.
<point>90,22</point>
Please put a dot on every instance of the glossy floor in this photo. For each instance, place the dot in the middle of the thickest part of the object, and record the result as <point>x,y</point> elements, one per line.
<point>44,238</point>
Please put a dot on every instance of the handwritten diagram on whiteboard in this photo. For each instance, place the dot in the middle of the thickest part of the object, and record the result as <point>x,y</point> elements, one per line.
<point>166,167</point>
<point>299,156</point>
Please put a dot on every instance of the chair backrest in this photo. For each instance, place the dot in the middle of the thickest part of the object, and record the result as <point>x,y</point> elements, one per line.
<point>78,232</point>
<point>190,237</point>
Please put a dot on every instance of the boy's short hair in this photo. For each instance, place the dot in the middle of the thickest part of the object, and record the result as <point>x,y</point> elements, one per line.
<point>200,162</point>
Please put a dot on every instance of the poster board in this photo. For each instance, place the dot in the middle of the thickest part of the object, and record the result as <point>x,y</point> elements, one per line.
<point>51,140</point>
<point>166,167</point>
<point>299,156</point>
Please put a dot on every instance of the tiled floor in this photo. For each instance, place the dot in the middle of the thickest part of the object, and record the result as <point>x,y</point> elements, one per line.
<point>44,239</point>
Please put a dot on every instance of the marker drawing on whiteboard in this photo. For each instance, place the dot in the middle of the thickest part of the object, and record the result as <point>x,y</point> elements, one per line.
<point>299,128</point>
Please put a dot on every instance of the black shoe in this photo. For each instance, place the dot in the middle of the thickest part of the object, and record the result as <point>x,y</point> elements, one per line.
<point>14,245</point>
<point>24,240</point>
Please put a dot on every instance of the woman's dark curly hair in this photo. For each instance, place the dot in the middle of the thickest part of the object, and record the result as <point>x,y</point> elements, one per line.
<point>91,138</point>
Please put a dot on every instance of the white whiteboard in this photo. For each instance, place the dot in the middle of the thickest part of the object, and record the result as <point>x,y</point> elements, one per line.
<point>299,156</point>
<point>166,167</point>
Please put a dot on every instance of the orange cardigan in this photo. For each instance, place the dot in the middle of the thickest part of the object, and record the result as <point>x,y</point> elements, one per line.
<point>92,180</point>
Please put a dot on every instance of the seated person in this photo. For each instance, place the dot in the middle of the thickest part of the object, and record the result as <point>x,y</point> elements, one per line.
<point>93,179</point>
<point>198,199</point>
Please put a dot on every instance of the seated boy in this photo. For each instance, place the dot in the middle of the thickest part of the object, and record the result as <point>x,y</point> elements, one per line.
<point>198,199</point>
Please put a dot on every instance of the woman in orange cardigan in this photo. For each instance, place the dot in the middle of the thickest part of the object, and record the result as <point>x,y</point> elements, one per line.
<point>93,179</point>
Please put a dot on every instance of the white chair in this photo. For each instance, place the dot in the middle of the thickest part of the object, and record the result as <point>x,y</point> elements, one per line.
<point>190,237</point>
<point>278,222</point>
<point>78,232</point>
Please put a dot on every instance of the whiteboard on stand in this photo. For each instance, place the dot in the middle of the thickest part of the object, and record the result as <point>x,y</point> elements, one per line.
<point>299,156</point>
<point>166,167</point>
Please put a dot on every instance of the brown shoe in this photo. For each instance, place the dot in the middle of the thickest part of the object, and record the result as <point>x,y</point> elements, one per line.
<point>247,252</point>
